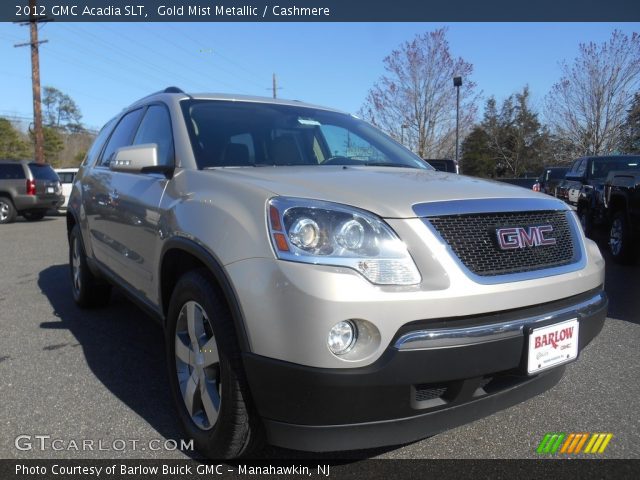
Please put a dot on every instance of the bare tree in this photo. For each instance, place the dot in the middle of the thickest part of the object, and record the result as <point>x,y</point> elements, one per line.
<point>587,107</point>
<point>416,102</point>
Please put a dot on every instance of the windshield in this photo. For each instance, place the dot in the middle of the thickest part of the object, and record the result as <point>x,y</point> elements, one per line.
<point>600,168</point>
<point>238,134</point>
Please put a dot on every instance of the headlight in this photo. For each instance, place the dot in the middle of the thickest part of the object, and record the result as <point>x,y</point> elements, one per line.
<point>313,231</point>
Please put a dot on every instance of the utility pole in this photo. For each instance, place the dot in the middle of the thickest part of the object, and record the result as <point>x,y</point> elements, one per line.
<point>274,86</point>
<point>35,79</point>
<point>457,82</point>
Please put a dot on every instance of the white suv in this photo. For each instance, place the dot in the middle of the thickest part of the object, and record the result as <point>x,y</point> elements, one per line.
<point>319,284</point>
<point>67,176</point>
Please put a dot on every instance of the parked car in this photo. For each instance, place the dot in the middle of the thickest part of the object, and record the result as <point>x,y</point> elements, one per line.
<point>443,164</point>
<point>320,286</point>
<point>622,203</point>
<point>583,186</point>
<point>549,180</point>
<point>28,189</point>
<point>67,176</point>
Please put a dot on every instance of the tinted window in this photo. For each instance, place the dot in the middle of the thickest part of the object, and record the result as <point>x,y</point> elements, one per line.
<point>156,128</point>
<point>10,171</point>
<point>581,167</point>
<point>600,168</point>
<point>43,172</point>
<point>122,135</point>
<point>97,145</point>
<point>66,177</point>
<point>557,173</point>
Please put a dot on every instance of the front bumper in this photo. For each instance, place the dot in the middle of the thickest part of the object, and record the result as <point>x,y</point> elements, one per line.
<point>424,383</point>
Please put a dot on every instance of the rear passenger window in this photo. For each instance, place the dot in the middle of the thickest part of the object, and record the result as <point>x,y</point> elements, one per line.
<point>156,128</point>
<point>10,171</point>
<point>122,136</point>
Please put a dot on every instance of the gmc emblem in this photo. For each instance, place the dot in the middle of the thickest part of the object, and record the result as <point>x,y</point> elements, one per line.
<point>522,237</point>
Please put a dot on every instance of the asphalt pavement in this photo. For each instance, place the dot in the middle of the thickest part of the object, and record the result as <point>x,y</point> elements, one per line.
<point>69,376</point>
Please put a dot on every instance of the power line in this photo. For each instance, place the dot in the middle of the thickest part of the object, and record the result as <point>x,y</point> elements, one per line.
<point>217,54</point>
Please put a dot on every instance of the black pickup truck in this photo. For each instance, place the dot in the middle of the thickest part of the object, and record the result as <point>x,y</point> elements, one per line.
<point>621,200</point>
<point>583,186</point>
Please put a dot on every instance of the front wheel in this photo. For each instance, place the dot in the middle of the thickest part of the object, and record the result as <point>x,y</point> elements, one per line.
<point>207,378</point>
<point>621,240</point>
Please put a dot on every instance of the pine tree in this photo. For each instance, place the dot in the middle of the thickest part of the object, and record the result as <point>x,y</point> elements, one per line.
<point>477,158</point>
<point>12,145</point>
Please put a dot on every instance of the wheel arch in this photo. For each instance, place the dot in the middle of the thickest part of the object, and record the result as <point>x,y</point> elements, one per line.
<point>72,221</point>
<point>180,255</point>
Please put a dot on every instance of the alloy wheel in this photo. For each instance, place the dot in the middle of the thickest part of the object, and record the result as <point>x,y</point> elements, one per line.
<point>615,236</point>
<point>76,265</point>
<point>198,365</point>
<point>4,211</point>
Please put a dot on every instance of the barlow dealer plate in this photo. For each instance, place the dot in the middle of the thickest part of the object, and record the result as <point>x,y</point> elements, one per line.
<point>552,345</point>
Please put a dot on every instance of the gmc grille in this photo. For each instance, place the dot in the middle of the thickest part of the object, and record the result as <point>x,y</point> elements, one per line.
<point>473,239</point>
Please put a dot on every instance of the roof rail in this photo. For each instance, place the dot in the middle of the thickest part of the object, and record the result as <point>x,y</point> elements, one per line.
<point>166,90</point>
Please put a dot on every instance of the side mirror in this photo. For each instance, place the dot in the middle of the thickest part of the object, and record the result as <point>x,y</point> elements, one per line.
<point>134,158</point>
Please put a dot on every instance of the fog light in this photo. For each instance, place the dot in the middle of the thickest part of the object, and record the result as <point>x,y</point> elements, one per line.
<point>342,337</point>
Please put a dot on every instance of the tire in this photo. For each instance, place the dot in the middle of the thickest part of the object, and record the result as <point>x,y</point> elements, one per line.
<point>202,349</point>
<point>621,244</point>
<point>585,221</point>
<point>34,215</point>
<point>7,210</point>
<point>88,290</point>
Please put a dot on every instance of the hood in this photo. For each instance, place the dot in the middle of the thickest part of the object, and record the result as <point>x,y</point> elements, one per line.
<point>386,191</point>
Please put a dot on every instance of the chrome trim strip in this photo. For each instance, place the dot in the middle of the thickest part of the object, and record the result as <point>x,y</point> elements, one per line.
<point>457,337</point>
<point>487,205</point>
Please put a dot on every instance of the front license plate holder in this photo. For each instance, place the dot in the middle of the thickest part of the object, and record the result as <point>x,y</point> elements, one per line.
<point>552,345</point>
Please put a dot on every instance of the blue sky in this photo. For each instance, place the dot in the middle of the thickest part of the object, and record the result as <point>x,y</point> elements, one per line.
<point>106,66</point>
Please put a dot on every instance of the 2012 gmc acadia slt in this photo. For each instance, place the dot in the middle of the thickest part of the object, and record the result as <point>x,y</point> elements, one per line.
<point>321,286</point>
